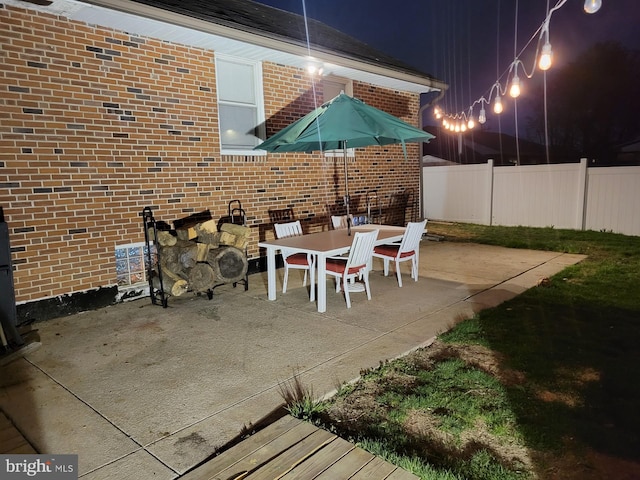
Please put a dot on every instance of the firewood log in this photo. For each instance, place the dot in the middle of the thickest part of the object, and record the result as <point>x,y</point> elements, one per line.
<point>164,238</point>
<point>186,233</point>
<point>173,283</point>
<point>227,238</point>
<point>203,251</point>
<point>229,264</point>
<point>179,257</point>
<point>188,255</point>
<point>171,286</point>
<point>207,232</point>
<point>238,230</point>
<point>202,277</point>
<point>241,243</point>
<point>169,260</point>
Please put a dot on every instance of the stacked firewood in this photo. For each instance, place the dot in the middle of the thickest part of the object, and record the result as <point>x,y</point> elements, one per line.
<point>199,257</point>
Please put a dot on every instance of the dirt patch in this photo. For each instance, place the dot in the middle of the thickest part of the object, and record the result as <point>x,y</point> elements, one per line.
<point>561,397</point>
<point>360,409</point>
<point>589,465</point>
<point>474,355</point>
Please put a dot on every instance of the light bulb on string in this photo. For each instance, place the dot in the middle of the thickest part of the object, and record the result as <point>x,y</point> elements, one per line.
<point>546,57</point>
<point>463,127</point>
<point>544,62</point>
<point>592,6</point>
<point>482,117</point>
<point>514,91</point>
<point>497,105</point>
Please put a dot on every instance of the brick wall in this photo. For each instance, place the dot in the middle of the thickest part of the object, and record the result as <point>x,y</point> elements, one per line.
<point>96,124</point>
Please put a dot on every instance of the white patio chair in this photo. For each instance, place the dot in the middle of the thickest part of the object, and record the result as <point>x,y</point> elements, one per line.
<point>407,249</point>
<point>301,261</point>
<point>340,221</point>
<point>356,265</point>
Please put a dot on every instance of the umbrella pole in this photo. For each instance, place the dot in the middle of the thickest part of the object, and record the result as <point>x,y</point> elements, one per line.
<point>347,200</point>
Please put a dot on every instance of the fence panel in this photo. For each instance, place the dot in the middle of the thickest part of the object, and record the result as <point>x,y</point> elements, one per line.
<point>613,200</point>
<point>538,195</point>
<point>458,194</point>
<point>564,196</point>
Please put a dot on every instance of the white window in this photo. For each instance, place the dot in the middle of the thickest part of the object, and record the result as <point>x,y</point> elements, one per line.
<point>331,88</point>
<point>240,105</point>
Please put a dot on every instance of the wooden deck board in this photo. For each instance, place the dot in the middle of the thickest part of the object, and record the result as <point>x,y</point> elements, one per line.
<point>319,462</point>
<point>400,474</point>
<point>347,466</point>
<point>292,457</point>
<point>254,451</point>
<point>11,440</point>
<point>374,470</point>
<point>291,449</point>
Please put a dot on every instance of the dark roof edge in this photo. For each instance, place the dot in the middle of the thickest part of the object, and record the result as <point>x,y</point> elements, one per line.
<point>267,40</point>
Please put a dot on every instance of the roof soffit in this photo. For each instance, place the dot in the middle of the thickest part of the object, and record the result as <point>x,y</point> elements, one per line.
<point>231,38</point>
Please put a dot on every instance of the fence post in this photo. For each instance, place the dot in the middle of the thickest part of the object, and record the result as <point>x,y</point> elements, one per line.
<point>490,195</point>
<point>581,201</point>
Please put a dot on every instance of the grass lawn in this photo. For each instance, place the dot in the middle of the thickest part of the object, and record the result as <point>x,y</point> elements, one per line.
<point>546,385</point>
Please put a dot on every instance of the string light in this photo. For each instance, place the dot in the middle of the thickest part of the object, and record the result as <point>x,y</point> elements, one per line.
<point>514,91</point>
<point>497,105</point>
<point>471,122</point>
<point>544,62</point>
<point>546,57</point>
<point>592,6</point>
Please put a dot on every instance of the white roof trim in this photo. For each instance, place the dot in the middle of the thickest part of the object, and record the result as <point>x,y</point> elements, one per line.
<point>143,20</point>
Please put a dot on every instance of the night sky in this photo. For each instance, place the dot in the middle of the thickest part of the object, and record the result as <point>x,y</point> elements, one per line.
<point>470,44</point>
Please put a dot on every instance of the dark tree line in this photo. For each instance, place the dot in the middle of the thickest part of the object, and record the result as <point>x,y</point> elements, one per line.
<point>593,103</point>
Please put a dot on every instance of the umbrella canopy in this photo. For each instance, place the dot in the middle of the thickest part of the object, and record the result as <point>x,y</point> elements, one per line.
<point>344,122</point>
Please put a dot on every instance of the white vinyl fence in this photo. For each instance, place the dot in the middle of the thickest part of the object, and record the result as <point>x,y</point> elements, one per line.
<point>562,196</point>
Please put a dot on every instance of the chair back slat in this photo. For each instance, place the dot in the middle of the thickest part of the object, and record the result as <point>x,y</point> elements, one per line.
<point>412,236</point>
<point>362,248</point>
<point>289,229</point>
<point>281,215</point>
<point>340,221</point>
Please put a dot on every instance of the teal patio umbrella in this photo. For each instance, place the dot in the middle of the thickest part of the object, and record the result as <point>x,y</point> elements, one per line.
<point>341,123</point>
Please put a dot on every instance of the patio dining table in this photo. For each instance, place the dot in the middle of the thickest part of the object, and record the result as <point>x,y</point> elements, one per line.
<point>323,245</point>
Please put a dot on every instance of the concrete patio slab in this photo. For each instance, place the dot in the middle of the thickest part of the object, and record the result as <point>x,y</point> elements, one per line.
<point>139,391</point>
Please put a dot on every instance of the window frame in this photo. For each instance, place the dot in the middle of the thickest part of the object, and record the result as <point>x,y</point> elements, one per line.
<point>258,86</point>
<point>348,89</point>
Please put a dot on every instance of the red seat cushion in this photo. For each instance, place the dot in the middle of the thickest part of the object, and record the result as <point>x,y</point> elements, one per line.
<point>337,265</point>
<point>297,259</point>
<point>391,251</point>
